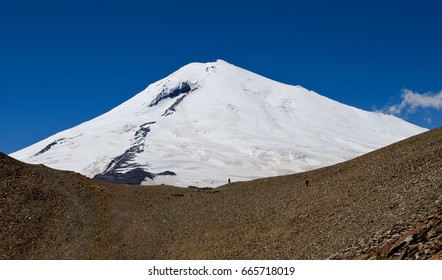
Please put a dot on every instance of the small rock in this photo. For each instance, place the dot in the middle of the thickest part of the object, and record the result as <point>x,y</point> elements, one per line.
<point>438,228</point>
<point>409,239</point>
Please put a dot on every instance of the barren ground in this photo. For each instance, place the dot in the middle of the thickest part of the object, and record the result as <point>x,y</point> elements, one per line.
<point>51,214</point>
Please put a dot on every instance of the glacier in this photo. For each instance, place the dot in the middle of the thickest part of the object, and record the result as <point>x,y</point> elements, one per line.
<point>207,123</point>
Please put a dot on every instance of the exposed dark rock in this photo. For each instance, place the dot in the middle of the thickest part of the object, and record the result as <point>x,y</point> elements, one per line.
<point>167,173</point>
<point>172,108</point>
<point>48,147</point>
<point>133,177</point>
<point>137,174</point>
<point>124,160</point>
<point>183,88</point>
<point>141,133</point>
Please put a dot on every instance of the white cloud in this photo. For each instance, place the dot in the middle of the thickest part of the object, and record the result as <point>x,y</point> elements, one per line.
<point>412,100</point>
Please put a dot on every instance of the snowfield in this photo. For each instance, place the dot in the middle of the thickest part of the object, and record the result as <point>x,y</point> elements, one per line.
<point>208,122</point>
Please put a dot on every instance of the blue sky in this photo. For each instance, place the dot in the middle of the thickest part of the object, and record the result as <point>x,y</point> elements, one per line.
<point>65,62</point>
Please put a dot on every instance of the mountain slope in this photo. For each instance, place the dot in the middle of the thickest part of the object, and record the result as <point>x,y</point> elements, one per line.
<point>54,214</point>
<point>209,122</point>
<point>413,239</point>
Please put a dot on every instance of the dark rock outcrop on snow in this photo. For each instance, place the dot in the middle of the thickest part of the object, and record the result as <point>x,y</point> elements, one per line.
<point>167,93</point>
<point>49,146</point>
<point>133,177</point>
<point>126,159</point>
<point>114,172</point>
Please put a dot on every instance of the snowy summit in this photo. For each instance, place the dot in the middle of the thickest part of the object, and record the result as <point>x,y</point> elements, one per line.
<point>210,122</point>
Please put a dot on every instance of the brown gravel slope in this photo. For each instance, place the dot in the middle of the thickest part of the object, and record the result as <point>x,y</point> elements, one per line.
<point>418,239</point>
<point>50,214</point>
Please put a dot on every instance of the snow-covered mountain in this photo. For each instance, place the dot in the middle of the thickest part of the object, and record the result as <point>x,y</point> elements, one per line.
<point>209,122</point>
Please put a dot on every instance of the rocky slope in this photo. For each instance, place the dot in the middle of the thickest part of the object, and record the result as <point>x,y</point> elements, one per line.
<point>419,239</point>
<point>50,214</point>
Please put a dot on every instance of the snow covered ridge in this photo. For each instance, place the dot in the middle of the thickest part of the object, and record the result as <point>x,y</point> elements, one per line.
<point>208,122</point>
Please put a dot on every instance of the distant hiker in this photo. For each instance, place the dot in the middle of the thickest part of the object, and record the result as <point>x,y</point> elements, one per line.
<point>228,180</point>
<point>307,182</point>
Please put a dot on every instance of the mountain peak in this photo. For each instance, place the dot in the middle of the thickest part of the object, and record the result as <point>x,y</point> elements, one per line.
<point>210,122</point>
